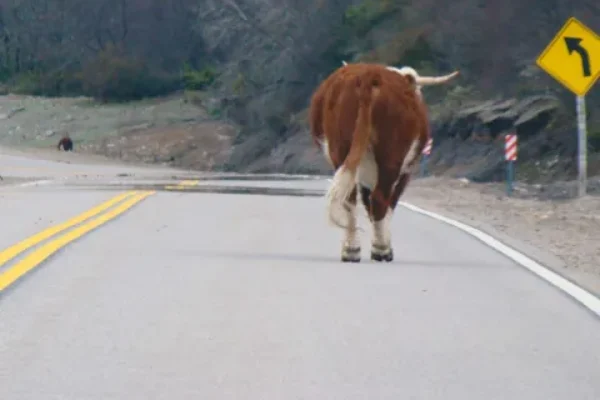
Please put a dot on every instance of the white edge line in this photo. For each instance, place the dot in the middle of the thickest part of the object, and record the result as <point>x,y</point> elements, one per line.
<point>36,183</point>
<point>584,297</point>
<point>30,183</point>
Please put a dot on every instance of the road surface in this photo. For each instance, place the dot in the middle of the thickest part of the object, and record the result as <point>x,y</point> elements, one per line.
<point>195,295</point>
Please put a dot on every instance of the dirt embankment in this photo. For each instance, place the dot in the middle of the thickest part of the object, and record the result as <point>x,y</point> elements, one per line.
<point>170,131</point>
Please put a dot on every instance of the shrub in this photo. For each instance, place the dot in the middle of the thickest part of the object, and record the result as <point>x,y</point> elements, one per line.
<point>198,79</point>
<point>239,85</point>
<point>361,18</point>
<point>49,83</point>
<point>114,76</point>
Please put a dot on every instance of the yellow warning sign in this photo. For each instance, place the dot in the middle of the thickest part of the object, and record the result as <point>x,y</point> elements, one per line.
<point>573,57</point>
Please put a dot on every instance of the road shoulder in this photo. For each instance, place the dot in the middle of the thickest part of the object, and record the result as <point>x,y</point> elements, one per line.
<point>563,236</point>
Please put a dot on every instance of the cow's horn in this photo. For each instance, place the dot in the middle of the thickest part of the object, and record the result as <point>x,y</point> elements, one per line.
<point>435,80</point>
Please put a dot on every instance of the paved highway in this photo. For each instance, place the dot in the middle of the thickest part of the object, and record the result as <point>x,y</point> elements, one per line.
<point>185,294</point>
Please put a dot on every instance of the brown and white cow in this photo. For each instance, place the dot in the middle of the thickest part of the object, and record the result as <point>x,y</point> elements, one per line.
<point>372,126</point>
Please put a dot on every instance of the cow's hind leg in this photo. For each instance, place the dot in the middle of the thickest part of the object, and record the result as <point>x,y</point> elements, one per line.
<point>381,216</point>
<point>351,245</point>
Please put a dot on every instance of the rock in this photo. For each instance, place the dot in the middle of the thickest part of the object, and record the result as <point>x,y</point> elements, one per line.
<point>296,155</point>
<point>469,142</point>
<point>11,113</point>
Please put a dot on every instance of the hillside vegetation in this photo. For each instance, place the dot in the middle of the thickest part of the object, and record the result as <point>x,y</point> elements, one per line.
<point>250,66</point>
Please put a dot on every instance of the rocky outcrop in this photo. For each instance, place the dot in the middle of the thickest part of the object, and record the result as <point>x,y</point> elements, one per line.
<point>525,117</point>
<point>470,141</point>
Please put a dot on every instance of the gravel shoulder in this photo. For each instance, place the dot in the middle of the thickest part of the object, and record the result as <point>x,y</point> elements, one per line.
<point>563,234</point>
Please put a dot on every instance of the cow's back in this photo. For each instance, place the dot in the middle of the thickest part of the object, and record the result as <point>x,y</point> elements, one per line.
<point>398,116</point>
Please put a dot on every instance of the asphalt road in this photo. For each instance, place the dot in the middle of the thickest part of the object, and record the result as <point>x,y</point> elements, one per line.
<point>59,165</point>
<point>190,295</point>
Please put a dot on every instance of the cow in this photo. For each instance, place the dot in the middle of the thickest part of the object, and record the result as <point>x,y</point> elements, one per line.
<point>372,126</point>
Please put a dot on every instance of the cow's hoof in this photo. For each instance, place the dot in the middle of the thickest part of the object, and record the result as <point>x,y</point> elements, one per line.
<point>351,254</point>
<point>382,254</point>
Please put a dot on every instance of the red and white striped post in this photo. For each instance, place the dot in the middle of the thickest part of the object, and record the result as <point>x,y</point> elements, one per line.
<point>510,155</point>
<point>426,153</point>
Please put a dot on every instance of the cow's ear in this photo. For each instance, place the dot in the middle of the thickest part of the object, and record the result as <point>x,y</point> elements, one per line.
<point>412,82</point>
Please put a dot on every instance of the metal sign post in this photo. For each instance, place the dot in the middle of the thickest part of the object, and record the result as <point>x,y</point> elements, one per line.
<point>581,146</point>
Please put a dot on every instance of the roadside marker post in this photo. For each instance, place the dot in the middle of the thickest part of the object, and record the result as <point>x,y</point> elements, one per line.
<point>573,59</point>
<point>510,155</point>
<point>425,158</point>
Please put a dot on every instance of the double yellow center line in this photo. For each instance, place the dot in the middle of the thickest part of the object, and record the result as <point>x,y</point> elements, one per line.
<point>125,201</point>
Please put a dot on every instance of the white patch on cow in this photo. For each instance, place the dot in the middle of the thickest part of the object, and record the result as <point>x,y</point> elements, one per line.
<point>396,182</point>
<point>405,71</point>
<point>367,171</point>
<point>410,157</point>
<point>337,195</point>
<point>408,71</point>
<point>382,235</point>
<point>325,148</point>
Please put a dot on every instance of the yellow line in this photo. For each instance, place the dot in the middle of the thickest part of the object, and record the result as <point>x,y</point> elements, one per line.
<point>188,183</point>
<point>175,187</point>
<point>13,251</point>
<point>182,185</point>
<point>45,251</point>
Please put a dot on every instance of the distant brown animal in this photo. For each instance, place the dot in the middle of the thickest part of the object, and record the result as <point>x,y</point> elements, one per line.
<point>372,125</point>
<point>66,143</point>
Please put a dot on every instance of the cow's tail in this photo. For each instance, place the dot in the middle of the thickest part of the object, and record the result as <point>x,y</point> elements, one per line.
<point>344,179</point>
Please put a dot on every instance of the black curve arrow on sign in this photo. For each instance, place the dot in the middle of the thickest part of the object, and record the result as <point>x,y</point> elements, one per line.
<point>574,44</point>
